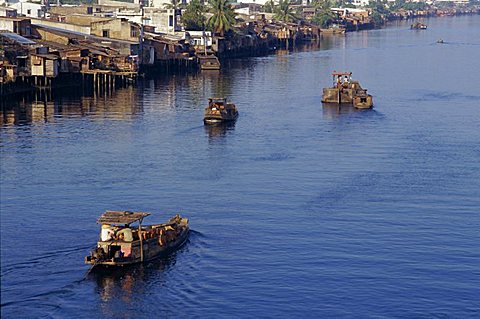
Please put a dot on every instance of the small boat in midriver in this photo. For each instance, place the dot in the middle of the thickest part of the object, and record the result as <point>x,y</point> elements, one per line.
<point>219,110</point>
<point>121,244</point>
<point>347,91</point>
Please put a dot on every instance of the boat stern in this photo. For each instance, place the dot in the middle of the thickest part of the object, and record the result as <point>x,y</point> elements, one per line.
<point>363,101</point>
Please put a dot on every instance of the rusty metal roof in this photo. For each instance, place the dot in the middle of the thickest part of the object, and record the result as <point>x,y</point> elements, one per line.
<point>341,73</point>
<point>125,217</point>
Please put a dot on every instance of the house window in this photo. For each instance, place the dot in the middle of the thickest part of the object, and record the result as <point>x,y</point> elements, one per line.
<point>29,11</point>
<point>170,21</point>
<point>133,32</point>
<point>106,33</point>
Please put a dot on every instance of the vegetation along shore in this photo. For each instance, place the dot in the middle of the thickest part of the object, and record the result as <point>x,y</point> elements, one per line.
<point>105,45</point>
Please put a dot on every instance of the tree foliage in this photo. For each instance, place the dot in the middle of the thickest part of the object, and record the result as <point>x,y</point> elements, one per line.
<point>380,11</point>
<point>223,18</point>
<point>403,4</point>
<point>269,6</point>
<point>193,18</point>
<point>324,16</point>
<point>284,12</point>
<point>173,4</point>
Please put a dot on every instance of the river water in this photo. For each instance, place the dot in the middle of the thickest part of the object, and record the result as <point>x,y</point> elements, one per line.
<point>296,210</point>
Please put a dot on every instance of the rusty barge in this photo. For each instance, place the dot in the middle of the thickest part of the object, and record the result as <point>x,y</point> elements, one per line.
<point>347,91</point>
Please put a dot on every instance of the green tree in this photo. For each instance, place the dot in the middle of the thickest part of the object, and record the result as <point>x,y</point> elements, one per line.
<point>223,18</point>
<point>324,16</point>
<point>193,18</point>
<point>174,4</point>
<point>284,12</point>
<point>379,6</point>
<point>269,6</point>
<point>379,12</point>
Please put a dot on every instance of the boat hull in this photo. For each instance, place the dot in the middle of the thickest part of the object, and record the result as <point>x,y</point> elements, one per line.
<point>149,257</point>
<point>216,119</point>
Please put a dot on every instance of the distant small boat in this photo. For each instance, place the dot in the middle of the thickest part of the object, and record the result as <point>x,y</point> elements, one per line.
<point>347,91</point>
<point>123,245</point>
<point>440,41</point>
<point>208,62</point>
<point>219,110</point>
<point>418,26</point>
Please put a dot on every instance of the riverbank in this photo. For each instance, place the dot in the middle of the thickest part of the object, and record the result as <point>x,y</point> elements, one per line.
<point>39,57</point>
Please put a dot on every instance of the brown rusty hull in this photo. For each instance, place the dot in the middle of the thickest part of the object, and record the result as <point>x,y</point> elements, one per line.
<point>347,96</point>
<point>219,118</point>
<point>363,102</point>
<point>335,95</point>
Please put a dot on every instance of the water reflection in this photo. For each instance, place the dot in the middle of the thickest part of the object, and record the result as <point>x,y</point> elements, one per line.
<point>124,287</point>
<point>35,107</point>
<point>215,131</point>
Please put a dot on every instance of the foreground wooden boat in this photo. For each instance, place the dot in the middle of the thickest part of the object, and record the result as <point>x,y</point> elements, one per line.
<point>347,91</point>
<point>219,110</point>
<point>121,244</point>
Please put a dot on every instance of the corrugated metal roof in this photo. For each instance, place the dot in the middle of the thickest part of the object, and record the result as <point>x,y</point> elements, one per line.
<point>126,217</point>
<point>17,38</point>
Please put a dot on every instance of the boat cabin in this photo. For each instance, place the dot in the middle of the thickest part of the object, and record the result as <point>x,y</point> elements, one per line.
<point>118,234</point>
<point>341,79</point>
<point>217,102</point>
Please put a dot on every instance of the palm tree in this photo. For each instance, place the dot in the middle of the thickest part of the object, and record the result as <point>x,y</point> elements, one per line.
<point>284,12</point>
<point>325,15</point>
<point>269,6</point>
<point>223,17</point>
<point>174,4</point>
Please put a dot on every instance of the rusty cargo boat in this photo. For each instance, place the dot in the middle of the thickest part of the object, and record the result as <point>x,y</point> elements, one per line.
<point>219,111</point>
<point>122,244</point>
<point>347,91</point>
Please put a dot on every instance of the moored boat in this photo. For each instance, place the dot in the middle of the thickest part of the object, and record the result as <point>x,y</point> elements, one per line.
<point>334,29</point>
<point>208,62</point>
<point>219,110</point>
<point>418,26</point>
<point>121,244</point>
<point>347,91</point>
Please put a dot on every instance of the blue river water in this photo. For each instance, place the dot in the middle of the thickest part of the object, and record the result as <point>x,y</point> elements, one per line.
<point>296,210</point>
